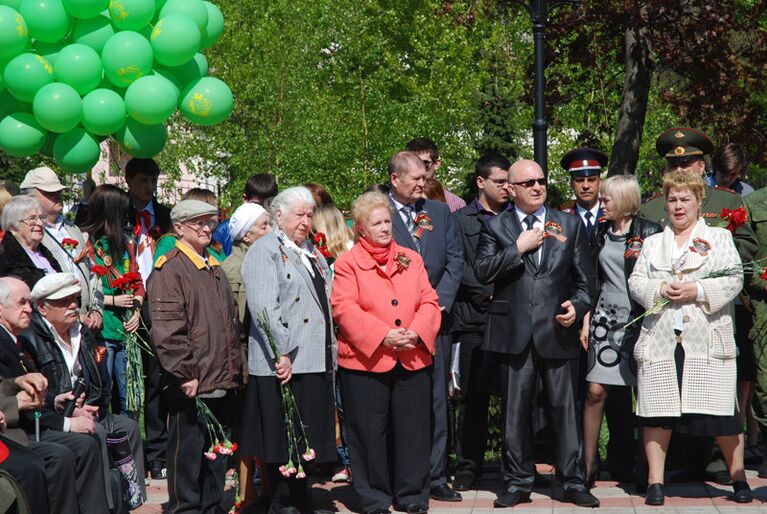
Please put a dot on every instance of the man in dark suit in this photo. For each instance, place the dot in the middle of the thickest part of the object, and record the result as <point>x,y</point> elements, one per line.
<point>538,259</point>
<point>428,227</point>
<point>151,220</point>
<point>491,179</point>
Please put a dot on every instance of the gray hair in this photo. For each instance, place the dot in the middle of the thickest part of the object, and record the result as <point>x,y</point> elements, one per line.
<point>288,198</point>
<point>17,209</point>
<point>5,288</point>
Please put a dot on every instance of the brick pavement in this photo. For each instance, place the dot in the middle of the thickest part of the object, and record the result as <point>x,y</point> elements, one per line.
<point>684,498</point>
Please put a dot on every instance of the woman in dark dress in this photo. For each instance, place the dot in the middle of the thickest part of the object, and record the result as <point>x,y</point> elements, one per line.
<point>288,281</point>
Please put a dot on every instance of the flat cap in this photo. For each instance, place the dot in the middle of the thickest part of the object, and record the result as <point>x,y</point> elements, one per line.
<point>55,286</point>
<point>188,209</point>
<point>584,162</point>
<point>44,179</point>
<point>683,142</point>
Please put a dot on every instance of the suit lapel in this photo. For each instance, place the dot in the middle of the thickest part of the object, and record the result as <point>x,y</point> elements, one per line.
<point>514,228</point>
<point>298,264</point>
<point>401,233</point>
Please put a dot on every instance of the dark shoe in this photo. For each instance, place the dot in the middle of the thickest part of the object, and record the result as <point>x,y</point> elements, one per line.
<point>541,480</point>
<point>378,511</point>
<point>158,471</point>
<point>763,470</point>
<point>463,483</point>
<point>742,492</point>
<point>510,499</point>
<point>581,498</point>
<point>416,508</point>
<point>753,456</point>
<point>443,493</point>
<point>276,508</point>
<point>722,477</point>
<point>655,495</point>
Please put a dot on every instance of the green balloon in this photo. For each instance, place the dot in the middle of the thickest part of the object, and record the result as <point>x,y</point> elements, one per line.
<point>93,32</point>
<point>194,9</point>
<point>21,135</point>
<point>85,8</point>
<point>206,101</point>
<point>194,69</point>
<point>26,74</point>
<point>13,4</point>
<point>215,26</point>
<point>175,39</point>
<point>79,66</point>
<point>48,51</point>
<point>47,20</point>
<point>14,35</point>
<point>76,151</point>
<point>126,57</point>
<point>166,73</point>
<point>131,14</point>
<point>141,140</point>
<point>57,107</point>
<point>103,112</point>
<point>151,100</point>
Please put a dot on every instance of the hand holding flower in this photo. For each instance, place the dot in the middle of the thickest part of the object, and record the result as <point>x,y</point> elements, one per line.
<point>189,388</point>
<point>284,370</point>
<point>132,323</point>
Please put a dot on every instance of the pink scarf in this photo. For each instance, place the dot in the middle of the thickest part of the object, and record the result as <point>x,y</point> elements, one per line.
<point>382,255</point>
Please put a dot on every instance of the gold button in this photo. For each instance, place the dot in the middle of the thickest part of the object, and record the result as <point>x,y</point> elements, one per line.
<point>686,318</point>
<point>679,339</point>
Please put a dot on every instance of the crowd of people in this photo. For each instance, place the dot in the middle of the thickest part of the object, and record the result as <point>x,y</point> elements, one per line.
<point>387,333</point>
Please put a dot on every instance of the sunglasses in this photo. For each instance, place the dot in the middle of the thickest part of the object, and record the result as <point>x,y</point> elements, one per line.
<point>527,184</point>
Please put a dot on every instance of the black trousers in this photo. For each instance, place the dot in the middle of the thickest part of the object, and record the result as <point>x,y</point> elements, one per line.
<point>622,424</point>
<point>195,484</point>
<point>155,413</point>
<point>439,423</point>
<point>388,420</point>
<point>60,473</point>
<point>560,381</point>
<point>28,469</point>
<point>471,430</point>
<point>89,471</point>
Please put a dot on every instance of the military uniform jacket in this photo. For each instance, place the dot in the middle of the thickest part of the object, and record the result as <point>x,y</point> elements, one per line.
<point>755,284</point>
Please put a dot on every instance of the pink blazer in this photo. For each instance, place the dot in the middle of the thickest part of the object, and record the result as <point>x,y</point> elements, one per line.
<point>368,302</point>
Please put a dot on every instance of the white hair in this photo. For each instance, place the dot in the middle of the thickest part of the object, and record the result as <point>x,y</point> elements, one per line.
<point>5,288</point>
<point>17,209</point>
<point>289,198</point>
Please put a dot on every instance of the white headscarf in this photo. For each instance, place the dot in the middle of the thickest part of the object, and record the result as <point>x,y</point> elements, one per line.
<point>243,219</point>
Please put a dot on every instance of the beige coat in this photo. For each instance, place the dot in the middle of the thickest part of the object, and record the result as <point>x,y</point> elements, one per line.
<point>709,377</point>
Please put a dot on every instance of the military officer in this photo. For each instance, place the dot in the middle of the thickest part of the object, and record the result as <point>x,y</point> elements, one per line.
<point>585,166</point>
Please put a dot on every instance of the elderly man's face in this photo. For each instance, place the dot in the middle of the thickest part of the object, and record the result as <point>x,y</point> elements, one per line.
<point>51,203</point>
<point>16,312</point>
<point>296,222</point>
<point>407,186</point>
<point>197,232</point>
<point>61,313</point>
<point>527,185</point>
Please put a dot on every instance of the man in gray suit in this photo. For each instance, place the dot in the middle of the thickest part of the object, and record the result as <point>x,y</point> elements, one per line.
<point>428,227</point>
<point>539,261</point>
<point>43,185</point>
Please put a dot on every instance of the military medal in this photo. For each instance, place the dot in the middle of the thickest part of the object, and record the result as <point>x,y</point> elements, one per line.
<point>107,260</point>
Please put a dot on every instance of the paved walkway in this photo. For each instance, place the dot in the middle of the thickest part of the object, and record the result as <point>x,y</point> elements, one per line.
<point>686,498</point>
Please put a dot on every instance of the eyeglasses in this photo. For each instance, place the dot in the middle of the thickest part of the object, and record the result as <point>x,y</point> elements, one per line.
<point>34,220</point>
<point>499,182</point>
<point>427,164</point>
<point>200,224</point>
<point>527,184</point>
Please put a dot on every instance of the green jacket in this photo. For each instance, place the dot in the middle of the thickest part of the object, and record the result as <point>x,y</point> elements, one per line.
<point>717,198</point>
<point>112,329</point>
<point>755,285</point>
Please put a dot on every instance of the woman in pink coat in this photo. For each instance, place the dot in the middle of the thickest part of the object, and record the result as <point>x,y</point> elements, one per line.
<point>388,317</point>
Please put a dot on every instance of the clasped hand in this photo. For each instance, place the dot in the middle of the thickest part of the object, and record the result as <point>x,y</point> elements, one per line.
<point>400,340</point>
<point>680,292</point>
<point>529,240</point>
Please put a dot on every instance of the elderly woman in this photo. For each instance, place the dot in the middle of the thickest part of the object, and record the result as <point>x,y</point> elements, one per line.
<point>609,345</point>
<point>21,254</point>
<point>287,281</point>
<point>686,350</point>
<point>389,316</point>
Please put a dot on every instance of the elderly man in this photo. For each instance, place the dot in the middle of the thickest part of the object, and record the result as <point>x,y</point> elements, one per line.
<point>66,242</point>
<point>195,330</point>
<point>71,459</point>
<point>539,261</point>
<point>427,227</point>
<point>65,350</point>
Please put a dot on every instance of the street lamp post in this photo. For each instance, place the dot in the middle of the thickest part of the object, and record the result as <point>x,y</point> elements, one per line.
<point>539,13</point>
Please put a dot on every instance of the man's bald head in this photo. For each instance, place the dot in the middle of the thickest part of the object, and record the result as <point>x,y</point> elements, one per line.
<point>523,165</point>
<point>15,305</point>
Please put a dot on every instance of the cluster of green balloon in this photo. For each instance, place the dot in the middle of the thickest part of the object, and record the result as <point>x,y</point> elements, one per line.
<point>73,72</point>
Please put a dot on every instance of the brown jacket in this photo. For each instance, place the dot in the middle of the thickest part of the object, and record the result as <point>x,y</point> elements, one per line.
<point>9,405</point>
<point>195,325</point>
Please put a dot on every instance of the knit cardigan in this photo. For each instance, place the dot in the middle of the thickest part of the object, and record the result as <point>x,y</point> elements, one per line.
<point>709,378</point>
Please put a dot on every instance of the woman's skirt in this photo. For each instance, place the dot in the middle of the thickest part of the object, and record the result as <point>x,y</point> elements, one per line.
<point>694,424</point>
<point>263,433</point>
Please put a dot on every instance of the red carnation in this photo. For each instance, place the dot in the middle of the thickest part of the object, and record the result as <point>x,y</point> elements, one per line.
<point>69,244</point>
<point>763,276</point>
<point>99,270</point>
<point>734,218</point>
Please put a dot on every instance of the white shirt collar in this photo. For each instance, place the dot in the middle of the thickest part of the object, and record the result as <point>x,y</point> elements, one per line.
<point>399,205</point>
<point>594,211</point>
<point>15,339</point>
<point>540,215</point>
<point>302,251</point>
<point>148,208</point>
<point>71,360</point>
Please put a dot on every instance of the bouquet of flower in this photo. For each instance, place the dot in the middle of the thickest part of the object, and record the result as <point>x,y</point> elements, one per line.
<point>220,444</point>
<point>296,431</point>
<point>733,218</point>
<point>746,267</point>
<point>129,283</point>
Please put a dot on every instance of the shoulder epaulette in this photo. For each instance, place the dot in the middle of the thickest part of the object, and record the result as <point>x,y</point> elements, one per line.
<point>161,260</point>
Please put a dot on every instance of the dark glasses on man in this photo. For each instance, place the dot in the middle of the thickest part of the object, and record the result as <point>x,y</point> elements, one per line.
<point>527,184</point>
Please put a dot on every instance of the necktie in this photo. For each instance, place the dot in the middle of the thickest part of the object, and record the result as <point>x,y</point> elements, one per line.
<point>589,224</point>
<point>143,219</point>
<point>411,226</point>
<point>529,221</point>
<point>532,257</point>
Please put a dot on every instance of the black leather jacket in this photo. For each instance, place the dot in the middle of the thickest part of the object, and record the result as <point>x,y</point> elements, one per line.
<point>39,344</point>
<point>639,230</point>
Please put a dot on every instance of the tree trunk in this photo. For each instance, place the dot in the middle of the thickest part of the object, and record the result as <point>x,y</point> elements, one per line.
<point>636,90</point>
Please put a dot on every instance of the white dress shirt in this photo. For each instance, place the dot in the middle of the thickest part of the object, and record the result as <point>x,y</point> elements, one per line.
<point>540,219</point>
<point>145,259</point>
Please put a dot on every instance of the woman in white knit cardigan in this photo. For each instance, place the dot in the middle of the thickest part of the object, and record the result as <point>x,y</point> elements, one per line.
<point>686,352</point>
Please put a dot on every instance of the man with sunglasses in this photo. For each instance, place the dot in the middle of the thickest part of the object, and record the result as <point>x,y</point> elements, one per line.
<point>540,265</point>
<point>428,152</point>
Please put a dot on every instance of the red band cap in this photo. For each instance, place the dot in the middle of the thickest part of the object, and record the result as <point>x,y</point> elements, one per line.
<point>583,165</point>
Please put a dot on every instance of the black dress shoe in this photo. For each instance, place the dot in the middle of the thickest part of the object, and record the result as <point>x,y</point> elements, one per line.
<point>443,493</point>
<point>655,495</point>
<point>511,498</point>
<point>276,508</point>
<point>463,483</point>
<point>742,492</point>
<point>581,498</point>
<point>416,508</point>
<point>722,477</point>
<point>157,471</point>
<point>378,511</point>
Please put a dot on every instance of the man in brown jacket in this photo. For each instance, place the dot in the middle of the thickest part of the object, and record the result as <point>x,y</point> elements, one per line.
<point>195,330</point>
